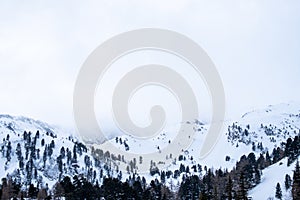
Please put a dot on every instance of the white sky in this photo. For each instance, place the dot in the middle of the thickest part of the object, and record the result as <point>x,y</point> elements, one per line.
<point>254,44</point>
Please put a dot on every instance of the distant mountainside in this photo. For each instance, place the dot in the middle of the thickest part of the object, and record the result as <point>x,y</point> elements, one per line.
<point>36,152</point>
<point>259,131</point>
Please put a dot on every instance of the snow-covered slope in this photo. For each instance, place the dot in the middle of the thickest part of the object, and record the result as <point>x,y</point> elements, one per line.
<point>41,153</point>
<point>270,127</point>
<point>271,176</point>
<point>18,124</point>
<point>258,131</point>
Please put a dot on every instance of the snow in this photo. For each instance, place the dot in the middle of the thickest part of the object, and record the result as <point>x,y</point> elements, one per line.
<point>284,119</point>
<point>15,127</point>
<point>271,176</point>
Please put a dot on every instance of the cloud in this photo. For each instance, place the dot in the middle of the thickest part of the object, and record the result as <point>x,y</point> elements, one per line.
<point>254,45</point>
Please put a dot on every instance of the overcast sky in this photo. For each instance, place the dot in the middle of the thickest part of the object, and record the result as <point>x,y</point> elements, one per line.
<point>254,44</point>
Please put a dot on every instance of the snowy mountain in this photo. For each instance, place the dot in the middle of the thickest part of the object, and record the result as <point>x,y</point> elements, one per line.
<point>36,152</point>
<point>258,131</point>
<point>18,124</point>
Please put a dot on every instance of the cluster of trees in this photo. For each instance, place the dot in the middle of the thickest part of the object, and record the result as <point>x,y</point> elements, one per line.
<point>238,133</point>
<point>209,184</point>
<point>213,185</point>
<point>111,188</point>
<point>294,184</point>
<point>245,175</point>
<point>11,189</point>
<point>32,150</point>
<point>221,184</point>
<point>292,149</point>
<point>119,140</point>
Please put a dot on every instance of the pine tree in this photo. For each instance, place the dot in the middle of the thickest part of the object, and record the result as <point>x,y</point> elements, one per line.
<point>45,156</point>
<point>8,157</point>
<point>242,193</point>
<point>59,163</point>
<point>74,153</point>
<point>296,182</point>
<point>189,189</point>
<point>215,195</point>
<point>87,161</point>
<point>278,193</point>
<point>37,135</point>
<point>43,142</point>
<point>19,151</point>
<point>32,191</point>
<point>69,157</point>
<point>163,177</point>
<point>52,144</point>
<point>63,152</point>
<point>287,182</point>
<point>257,176</point>
<point>4,189</point>
<point>261,162</point>
<point>229,189</point>
<point>66,187</point>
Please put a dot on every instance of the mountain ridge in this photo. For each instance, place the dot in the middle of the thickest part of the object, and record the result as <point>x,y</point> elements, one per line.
<point>258,131</point>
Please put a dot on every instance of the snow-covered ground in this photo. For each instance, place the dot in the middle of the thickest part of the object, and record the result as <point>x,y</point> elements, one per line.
<point>271,176</point>
<point>15,127</point>
<point>270,126</point>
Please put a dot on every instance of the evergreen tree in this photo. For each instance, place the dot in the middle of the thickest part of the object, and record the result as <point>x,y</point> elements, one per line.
<point>74,153</point>
<point>68,187</point>
<point>37,135</point>
<point>229,189</point>
<point>278,193</point>
<point>63,152</point>
<point>242,193</point>
<point>42,142</point>
<point>207,185</point>
<point>155,189</point>
<point>32,191</point>
<point>120,175</point>
<point>19,151</point>
<point>45,156</point>
<point>59,163</point>
<point>190,188</point>
<point>182,168</point>
<point>8,151</point>
<point>287,182</point>
<point>69,157</point>
<point>261,162</point>
<point>52,144</point>
<point>25,135</point>
<point>112,188</point>
<point>38,153</point>
<point>87,161</point>
<point>4,189</point>
<point>21,163</point>
<point>163,177</point>
<point>296,182</point>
